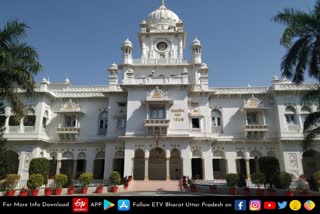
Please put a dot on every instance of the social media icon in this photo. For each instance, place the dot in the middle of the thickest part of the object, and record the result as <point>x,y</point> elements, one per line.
<point>282,205</point>
<point>309,205</point>
<point>295,205</point>
<point>123,205</point>
<point>254,205</point>
<point>269,205</point>
<point>107,204</point>
<point>80,205</point>
<point>240,205</point>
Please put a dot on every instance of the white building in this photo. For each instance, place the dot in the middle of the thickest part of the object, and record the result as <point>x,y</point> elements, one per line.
<point>158,119</point>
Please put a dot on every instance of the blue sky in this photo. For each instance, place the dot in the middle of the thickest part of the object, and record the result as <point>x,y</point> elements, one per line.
<point>79,39</point>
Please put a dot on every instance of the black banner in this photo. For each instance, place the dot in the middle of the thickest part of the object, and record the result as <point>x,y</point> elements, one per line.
<point>130,204</point>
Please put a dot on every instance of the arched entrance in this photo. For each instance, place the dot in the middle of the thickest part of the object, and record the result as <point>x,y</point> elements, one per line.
<point>98,168</point>
<point>53,165</point>
<point>310,162</point>
<point>138,164</point>
<point>219,164</point>
<point>118,162</point>
<point>175,165</point>
<point>196,164</point>
<point>81,164</point>
<point>67,164</point>
<point>13,161</point>
<point>253,162</point>
<point>157,164</point>
<point>241,164</point>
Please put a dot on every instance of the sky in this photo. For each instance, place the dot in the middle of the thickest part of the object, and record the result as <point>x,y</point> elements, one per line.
<point>80,39</point>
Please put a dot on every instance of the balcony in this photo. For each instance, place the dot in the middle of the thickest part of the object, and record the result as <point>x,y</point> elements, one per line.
<point>156,127</point>
<point>68,134</point>
<point>157,123</point>
<point>255,131</point>
<point>256,128</point>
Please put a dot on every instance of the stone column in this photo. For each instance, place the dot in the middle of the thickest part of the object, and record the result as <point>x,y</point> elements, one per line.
<point>108,160</point>
<point>167,168</point>
<point>186,161</point>
<point>128,163</point>
<point>248,168</point>
<point>90,156</point>
<point>146,169</point>
<point>207,162</point>
<point>231,163</point>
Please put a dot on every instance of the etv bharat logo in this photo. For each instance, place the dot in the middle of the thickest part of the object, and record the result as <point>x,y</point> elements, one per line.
<point>80,204</point>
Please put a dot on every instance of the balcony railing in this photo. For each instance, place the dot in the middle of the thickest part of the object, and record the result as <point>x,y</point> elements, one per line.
<point>256,127</point>
<point>68,134</point>
<point>159,61</point>
<point>157,122</point>
<point>68,130</point>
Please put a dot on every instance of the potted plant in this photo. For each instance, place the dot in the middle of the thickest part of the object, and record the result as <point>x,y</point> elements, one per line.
<point>282,180</point>
<point>99,188</point>
<point>85,179</point>
<point>24,192</point>
<point>258,179</point>
<point>70,190</point>
<point>11,182</point>
<point>232,180</point>
<point>47,191</point>
<point>59,181</point>
<point>115,180</point>
<point>34,182</point>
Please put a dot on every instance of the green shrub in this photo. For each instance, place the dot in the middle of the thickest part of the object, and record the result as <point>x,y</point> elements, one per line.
<point>11,181</point>
<point>316,176</point>
<point>85,179</point>
<point>282,180</point>
<point>60,180</point>
<point>232,179</point>
<point>35,181</point>
<point>258,179</point>
<point>40,166</point>
<point>242,181</point>
<point>270,167</point>
<point>115,178</point>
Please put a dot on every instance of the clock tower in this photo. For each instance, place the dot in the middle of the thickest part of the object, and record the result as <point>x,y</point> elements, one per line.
<point>162,37</point>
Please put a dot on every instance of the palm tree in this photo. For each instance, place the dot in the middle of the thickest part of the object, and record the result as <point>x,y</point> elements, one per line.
<point>3,159</point>
<point>311,126</point>
<point>18,64</point>
<point>301,37</point>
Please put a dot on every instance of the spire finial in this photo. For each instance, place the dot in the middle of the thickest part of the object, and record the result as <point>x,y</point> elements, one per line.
<point>162,2</point>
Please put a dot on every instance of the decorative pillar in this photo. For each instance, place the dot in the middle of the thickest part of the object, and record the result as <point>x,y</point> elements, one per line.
<point>168,168</point>
<point>128,161</point>
<point>146,169</point>
<point>231,163</point>
<point>248,168</point>
<point>58,166</point>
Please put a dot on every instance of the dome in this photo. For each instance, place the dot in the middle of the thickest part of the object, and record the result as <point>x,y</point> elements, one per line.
<point>162,18</point>
<point>113,67</point>
<point>196,42</point>
<point>127,43</point>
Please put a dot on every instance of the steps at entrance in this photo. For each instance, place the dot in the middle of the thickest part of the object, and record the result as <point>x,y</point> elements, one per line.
<point>170,185</point>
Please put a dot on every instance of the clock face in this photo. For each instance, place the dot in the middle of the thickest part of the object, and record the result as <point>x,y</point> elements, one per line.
<point>162,46</point>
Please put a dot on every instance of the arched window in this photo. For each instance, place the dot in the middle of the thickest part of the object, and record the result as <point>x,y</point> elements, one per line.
<point>216,121</point>
<point>305,110</point>
<point>30,118</point>
<point>103,123</point>
<point>290,114</point>
<point>216,118</point>
<point>45,119</point>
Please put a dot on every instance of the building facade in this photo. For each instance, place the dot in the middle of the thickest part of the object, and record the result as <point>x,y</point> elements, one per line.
<point>158,119</point>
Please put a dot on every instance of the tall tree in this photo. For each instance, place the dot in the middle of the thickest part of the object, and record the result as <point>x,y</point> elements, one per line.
<point>3,159</point>
<point>301,37</point>
<point>18,64</point>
